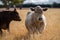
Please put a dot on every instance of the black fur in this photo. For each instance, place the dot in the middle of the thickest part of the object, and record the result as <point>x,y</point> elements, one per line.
<point>6,17</point>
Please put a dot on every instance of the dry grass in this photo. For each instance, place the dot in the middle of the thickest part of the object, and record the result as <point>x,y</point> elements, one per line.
<point>18,29</point>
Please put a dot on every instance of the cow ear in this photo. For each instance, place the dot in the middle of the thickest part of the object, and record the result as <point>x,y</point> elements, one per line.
<point>32,9</point>
<point>14,9</point>
<point>45,9</point>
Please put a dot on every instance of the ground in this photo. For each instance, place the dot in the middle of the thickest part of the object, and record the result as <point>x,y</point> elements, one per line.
<point>51,32</point>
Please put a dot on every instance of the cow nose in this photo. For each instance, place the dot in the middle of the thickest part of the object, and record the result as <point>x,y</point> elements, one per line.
<point>40,18</point>
<point>20,20</point>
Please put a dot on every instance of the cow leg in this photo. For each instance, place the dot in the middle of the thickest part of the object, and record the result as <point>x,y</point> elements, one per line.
<point>8,30</point>
<point>8,27</point>
<point>0,32</point>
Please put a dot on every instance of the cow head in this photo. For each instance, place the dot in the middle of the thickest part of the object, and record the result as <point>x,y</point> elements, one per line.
<point>38,9</point>
<point>38,12</point>
<point>15,15</point>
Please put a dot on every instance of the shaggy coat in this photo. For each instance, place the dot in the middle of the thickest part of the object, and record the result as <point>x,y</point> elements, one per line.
<point>35,21</point>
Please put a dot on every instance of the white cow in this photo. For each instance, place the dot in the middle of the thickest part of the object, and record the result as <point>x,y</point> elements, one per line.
<point>35,21</point>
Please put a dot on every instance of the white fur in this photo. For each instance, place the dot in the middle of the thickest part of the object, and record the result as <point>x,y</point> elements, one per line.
<point>44,19</point>
<point>32,22</point>
<point>28,21</point>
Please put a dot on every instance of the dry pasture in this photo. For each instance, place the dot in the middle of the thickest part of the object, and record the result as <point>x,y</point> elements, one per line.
<point>51,32</point>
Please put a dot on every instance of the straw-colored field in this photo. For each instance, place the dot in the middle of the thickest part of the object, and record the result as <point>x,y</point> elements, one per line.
<point>51,32</point>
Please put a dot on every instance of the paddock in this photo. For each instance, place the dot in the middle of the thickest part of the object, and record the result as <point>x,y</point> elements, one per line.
<point>18,29</point>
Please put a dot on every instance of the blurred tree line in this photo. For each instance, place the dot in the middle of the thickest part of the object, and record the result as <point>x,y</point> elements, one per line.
<point>54,5</point>
<point>19,3</point>
<point>11,2</point>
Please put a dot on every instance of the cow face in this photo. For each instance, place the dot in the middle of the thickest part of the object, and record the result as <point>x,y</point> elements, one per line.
<point>38,9</point>
<point>39,12</point>
<point>15,15</point>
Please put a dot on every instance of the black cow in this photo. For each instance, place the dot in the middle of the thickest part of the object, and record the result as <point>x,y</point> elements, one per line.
<point>6,17</point>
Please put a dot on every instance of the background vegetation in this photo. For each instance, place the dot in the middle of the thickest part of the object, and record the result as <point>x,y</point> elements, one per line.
<point>19,3</point>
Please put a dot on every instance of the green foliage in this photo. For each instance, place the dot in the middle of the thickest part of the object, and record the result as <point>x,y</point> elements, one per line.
<point>17,1</point>
<point>21,1</point>
<point>12,1</point>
